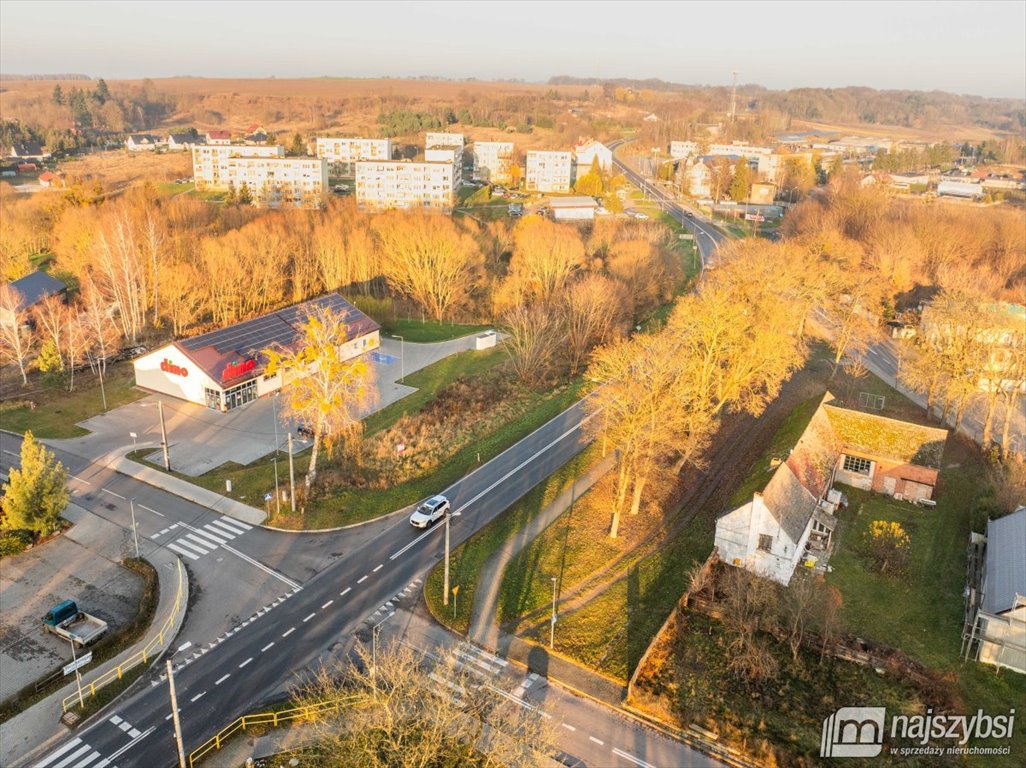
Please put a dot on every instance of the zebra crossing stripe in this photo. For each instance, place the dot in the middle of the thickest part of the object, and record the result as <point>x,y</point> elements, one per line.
<point>218,540</point>
<point>181,551</point>
<point>70,745</point>
<point>203,546</point>
<point>194,548</point>
<point>236,527</point>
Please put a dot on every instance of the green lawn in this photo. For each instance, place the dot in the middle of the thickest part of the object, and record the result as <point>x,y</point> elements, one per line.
<point>427,331</point>
<point>57,411</point>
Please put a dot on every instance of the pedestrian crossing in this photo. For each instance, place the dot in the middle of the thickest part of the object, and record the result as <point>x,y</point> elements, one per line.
<point>478,661</point>
<point>75,754</point>
<point>203,541</point>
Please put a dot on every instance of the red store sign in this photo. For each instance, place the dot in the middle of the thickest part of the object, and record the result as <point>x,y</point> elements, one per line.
<point>177,370</point>
<point>235,369</point>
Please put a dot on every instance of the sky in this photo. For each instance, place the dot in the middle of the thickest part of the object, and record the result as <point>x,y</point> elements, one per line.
<point>961,47</point>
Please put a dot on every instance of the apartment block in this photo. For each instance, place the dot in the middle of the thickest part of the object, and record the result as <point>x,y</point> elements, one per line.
<point>453,155</point>
<point>549,171</point>
<point>340,151</point>
<point>275,181</point>
<point>210,161</point>
<point>493,160</point>
<point>588,151</point>
<point>404,184</point>
<point>442,139</point>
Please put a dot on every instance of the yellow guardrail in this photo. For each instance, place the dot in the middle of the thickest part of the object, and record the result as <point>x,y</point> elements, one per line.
<point>155,645</point>
<point>274,719</point>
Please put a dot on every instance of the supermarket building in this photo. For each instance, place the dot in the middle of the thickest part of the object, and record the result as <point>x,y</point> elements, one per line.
<point>225,369</point>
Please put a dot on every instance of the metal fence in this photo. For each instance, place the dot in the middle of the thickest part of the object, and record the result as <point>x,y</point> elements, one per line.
<point>156,644</point>
<point>309,712</point>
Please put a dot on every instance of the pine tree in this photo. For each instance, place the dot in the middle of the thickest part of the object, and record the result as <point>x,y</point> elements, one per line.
<point>102,92</point>
<point>298,146</point>
<point>50,363</point>
<point>245,196</point>
<point>742,181</point>
<point>58,95</point>
<point>37,492</point>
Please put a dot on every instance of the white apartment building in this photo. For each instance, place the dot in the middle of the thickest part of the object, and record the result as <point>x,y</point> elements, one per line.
<point>441,139</point>
<point>549,171</point>
<point>275,181</point>
<point>682,150</point>
<point>493,160</point>
<point>339,151</point>
<point>586,152</point>
<point>452,155</point>
<point>210,161</point>
<point>403,184</point>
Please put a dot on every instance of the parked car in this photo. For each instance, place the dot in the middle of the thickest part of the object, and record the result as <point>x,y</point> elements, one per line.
<point>429,512</point>
<point>305,430</point>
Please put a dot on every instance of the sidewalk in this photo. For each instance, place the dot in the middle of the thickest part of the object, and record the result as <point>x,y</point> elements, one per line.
<point>24,736</point>
<point>483,629</point>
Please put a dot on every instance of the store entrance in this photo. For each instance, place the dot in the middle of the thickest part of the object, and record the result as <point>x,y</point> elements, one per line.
<point>213,398</point>
<point>240,395</point>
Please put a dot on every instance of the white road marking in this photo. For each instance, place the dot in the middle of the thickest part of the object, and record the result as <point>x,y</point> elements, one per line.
<point>222,679</point>
<point>224,530</point>
<point>327,604</point>
<point>12,453</point>
<point>568,726</point>
<point>245,662</point>
<point>182,552</point>
<point>378,568</point>
<point>309,617</point>
<point>235,526</point>
<point>200,542</point>
<point>270,571</point>
<point>627,756</point>
<point>117,718</point>
<point>70,745</point>
<point>597,741</point>
<point>130,744</point>
<point>133,732</point>
<point>92,756</point>
<point>344,592</point>
<point>198,696</point>
<point>205,537</point>
<point>192,547</point>
<point>362,579</point>
<point>289,632</point>
<point>266,647</point>
<point>79,480</point>
<point>118,495</point>
<point>74,756</point>
<point>158,514</point>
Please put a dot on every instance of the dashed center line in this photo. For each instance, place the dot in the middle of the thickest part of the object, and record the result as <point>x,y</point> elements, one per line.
<point>362,579</point>
<point>245,662</point>
<point>118,495</point>
<point>158,514</point>
<point>568,726</point>
<point>267,647</point>
<point>309,617</point>
<point>597,741</point>
<point>636,760</point>
<point>344,592</point>
<point>327,604</point>
<point>289,632</point>
<point>222,679</point>
<point>378,568</point>
<point>198,696</point>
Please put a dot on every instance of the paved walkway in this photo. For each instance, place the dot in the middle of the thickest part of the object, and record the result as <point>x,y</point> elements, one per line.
<point>38,727</point>
<point>483,627</point>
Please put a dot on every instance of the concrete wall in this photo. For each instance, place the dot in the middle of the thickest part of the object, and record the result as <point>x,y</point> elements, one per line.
<point>149,375</point>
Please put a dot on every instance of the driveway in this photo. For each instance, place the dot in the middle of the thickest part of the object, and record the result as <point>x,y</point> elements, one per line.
<point>83,565</point>
<point>201,439</point>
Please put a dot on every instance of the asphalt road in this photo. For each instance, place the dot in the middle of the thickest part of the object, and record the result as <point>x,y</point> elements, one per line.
<point>238,671</point>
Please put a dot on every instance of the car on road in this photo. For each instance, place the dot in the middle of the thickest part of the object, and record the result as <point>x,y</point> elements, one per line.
<point>515,209</point>
<point>305,430</point>
<point>639,215</point>
<point>429,512</point>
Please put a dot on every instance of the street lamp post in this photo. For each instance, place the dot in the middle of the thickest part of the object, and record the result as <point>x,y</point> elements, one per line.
<point>135,532</point>
<point>78,675</point>
<point>277,493</point>
<point>445,591</point>
<point>552,624</point>
<point>274,413</point>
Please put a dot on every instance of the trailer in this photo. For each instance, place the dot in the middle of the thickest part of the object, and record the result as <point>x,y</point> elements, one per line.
<point>67,621</point>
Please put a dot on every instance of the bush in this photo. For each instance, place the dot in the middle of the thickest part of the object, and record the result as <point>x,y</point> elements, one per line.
<point>15,541</point>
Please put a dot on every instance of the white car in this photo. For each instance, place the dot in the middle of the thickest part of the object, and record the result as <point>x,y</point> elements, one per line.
<point>429,512</point>
<point>639,215</point>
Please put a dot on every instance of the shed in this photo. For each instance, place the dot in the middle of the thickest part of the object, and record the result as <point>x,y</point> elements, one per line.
<point>573,208</point>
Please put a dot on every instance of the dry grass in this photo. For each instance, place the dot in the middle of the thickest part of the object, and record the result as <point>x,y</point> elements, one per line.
<point>973,133</point>
<point>119,168</point>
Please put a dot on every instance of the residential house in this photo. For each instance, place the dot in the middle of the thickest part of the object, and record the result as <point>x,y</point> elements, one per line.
<point>905,181</point>
<point>682,150</point>
<point>404,184</point>
<point>549,171</point>
<point>589,150</point>
<point>29,150</point>
<point>48,179</point>
<point>218,137</point>
<point>493,161</point>
<point>996,594</point>
<point>697,180</point>
<point>573,208</point>
<point>181,142</point>
<point>255,134</point>
<point>791,520</point>
<point>32,289</point>
<point>143,142</point>
<point>210,162</point>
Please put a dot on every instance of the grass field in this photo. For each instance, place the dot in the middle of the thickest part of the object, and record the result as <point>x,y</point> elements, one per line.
<point>57,411</point>
<point>427,331</point>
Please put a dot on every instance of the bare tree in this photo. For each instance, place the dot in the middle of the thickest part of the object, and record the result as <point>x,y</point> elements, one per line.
<point>749,603</point>
<point>545,255</point>
<point>17,339</point>
<point>595,311</point>
<point>532,335</point>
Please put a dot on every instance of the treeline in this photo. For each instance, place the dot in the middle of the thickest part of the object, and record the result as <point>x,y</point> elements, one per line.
<point>157,265</point>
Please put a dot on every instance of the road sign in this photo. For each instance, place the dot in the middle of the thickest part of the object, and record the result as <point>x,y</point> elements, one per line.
<point>268,496</point>
<point>81,661</point>
<point>754,217</point>
<point>686,237</point>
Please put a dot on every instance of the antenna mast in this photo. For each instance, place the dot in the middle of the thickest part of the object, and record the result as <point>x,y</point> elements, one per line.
<point>733,99</point>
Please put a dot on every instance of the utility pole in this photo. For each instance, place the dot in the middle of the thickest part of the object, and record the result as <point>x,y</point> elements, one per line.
<point>78,674</point>
<point>163,436</point>
<point>552,624</point>
<point>292,477</point>
<point>733,99</point>
<point>277,493</point>
<point>174,715</point>
<point>101,363</point>
<point>445,590</point>
<point>135,531</point>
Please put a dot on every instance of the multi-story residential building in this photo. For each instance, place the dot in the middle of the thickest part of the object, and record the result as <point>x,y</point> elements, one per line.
<point>549,171</point>
<point>588,151</point>
<point>682,150</point>
<point>441,139</point>
<point>210,161</point>
<point>453,155</point>
<point>404,184</point>
<point>274,181</point>
<point>493,160</point>
<point>341,153</point>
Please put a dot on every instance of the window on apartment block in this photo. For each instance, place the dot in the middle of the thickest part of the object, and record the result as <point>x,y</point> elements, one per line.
<point>857,465</point>
<point>765,542</point>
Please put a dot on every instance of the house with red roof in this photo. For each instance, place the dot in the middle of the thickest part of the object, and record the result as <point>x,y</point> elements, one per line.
<point>48,179</point>
<point>219,137</point>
